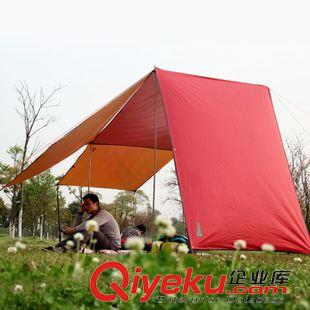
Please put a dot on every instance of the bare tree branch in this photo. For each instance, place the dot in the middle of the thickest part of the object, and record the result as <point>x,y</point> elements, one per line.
<point>34,122</point>
<point>49,121</point>
<point>299,163</point>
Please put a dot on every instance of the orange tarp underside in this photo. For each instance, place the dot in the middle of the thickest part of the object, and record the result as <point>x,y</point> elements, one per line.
<point>121,137</point>
<point>115,167</point>
<point>79,136</point>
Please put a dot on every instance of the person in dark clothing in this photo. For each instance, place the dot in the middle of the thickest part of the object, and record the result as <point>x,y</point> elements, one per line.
<point>137,231</point>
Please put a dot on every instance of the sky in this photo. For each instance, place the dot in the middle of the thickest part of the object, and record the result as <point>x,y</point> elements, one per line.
<point>98,48</point>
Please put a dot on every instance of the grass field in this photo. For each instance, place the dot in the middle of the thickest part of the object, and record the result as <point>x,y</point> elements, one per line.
<point>53,281</point>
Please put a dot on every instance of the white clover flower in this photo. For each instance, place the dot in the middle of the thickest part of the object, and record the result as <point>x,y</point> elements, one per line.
<point>91,226</point>
<point>134,243</point>
<point>43,285</point>
<point>240,244</point>
<point>95,260</point>
<point>116,275</point>
<point>20,245</point>
<point>183,248</point>
<point>169,231</point>
<point>267,247</point>
<point>242,256</point>
<point>297,260</point>
<point>12,249</point>
<point>18,288</point>
<point>163,222</point>
<point>70,243</point>
<point>78,237</point>
<point>78,267</point>
<point>165,226</point>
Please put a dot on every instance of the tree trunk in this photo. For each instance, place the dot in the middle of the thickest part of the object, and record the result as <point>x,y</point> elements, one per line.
<point>41,227</point>
<point>23,164</point>
<point>13,213</point>
<point>81,193</point>
<point>20,223</point>
<point>307,214</point>
<point>20,216</point>
<point>13,231</point>
<point>133,214</point>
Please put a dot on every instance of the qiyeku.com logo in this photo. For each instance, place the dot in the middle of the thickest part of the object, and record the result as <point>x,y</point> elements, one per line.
<point>169,284</point>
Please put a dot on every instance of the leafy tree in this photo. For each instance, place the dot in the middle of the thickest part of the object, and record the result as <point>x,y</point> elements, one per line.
<point>41,205</point>
<point>179,225</point>
<point>125,206</point>
<point>77,192</point>
<point>4,214</point>
<point>147,218</point>
<point>7,173</point>
<point>73,207</point>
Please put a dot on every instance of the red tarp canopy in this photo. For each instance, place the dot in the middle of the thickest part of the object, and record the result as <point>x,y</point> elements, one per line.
<point>233,174</point>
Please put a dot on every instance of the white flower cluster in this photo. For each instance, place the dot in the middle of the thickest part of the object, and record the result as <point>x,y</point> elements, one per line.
<point>267,247</point>
<point>91,226</point>
<point>78,268</point>
<point>70,244</point>
<point>297,260</point>
<point>116,275</point>
<point>161,221</point>
<point>78,237</point>
<point>165,226</point>
<point>18,288</point>
<point>18,245</point>
<point>135,243</point>
<point>12,249</point>
<point>240,244</point>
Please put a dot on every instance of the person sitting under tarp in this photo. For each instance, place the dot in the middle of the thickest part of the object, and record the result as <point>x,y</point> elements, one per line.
<point>108,235</point>
<point>137,231</point>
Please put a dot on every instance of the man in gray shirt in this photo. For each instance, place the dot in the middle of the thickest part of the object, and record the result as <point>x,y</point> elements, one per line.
<point>108,235</point>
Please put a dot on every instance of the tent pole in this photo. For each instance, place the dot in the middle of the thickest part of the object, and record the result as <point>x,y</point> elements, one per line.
<point>89,166</point>
<point>155,144</point>
<point>134,210</point>
<point>58,213</point>
<point>175,164</point>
